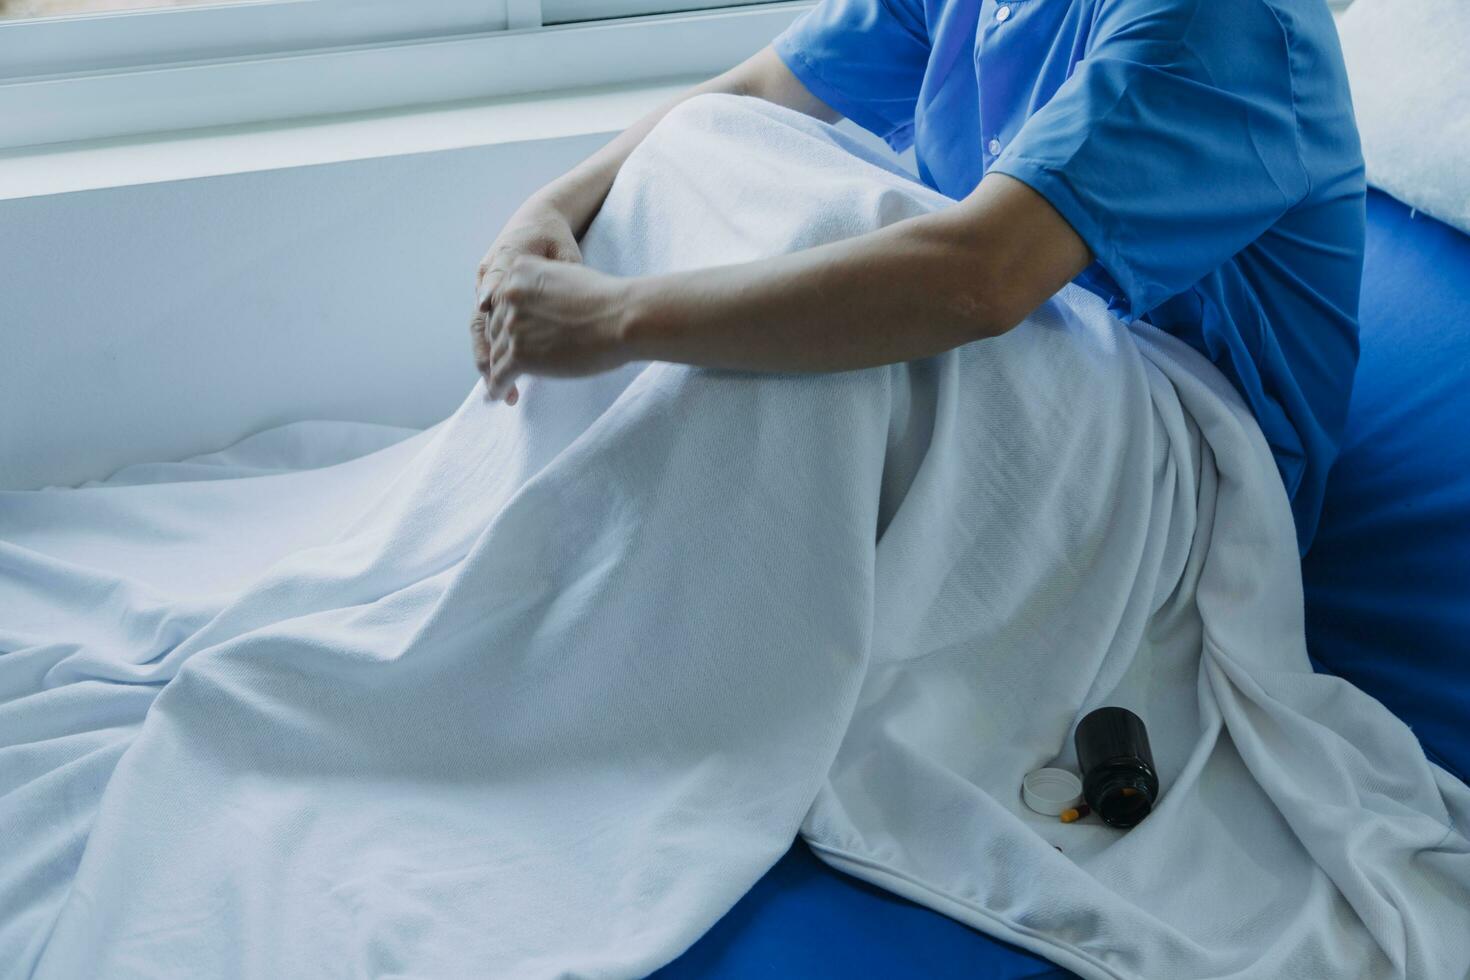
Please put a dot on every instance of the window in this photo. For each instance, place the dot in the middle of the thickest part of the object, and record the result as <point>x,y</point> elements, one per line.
<point>87,69</point>
<point>15,9</point>
<point>577,11</point>
<point>556,11</point>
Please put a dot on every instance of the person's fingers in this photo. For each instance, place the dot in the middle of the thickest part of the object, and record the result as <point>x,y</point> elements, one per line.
<point>504,366</point>
<point>499,342</point>
<point>497,277</point>
<point>498,347</point>
<point>489,288</point>
<point>503,377</point>
<point>501,356</point>
<point>495,325</point>
<point>479,343</point>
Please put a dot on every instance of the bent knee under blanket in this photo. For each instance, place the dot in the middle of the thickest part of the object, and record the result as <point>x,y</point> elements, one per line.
<point>542,691</point>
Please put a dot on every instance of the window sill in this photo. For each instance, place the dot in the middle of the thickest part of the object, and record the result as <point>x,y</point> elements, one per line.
<point>39,110</point>
<point>92,165</point>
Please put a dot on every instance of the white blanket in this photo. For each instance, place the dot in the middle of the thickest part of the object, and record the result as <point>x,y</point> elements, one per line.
<point>542,691</point>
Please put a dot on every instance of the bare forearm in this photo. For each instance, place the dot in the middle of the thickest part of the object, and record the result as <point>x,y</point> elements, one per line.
<point>579,193</point>
<point>892,296</point>
<point>911,290</point>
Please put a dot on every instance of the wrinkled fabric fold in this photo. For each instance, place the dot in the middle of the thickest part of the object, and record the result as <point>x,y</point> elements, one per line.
<point>542,691</point>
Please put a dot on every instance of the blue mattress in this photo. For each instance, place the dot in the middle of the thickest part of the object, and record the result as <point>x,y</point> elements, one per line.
<point>1388,607</point>
<point>1388,578</point>
<point>805,920</point>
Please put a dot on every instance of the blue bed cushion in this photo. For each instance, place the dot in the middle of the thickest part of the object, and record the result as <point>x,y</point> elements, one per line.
<point>805,920</point>
<point>1388,607</point>
<point>1388,577</point>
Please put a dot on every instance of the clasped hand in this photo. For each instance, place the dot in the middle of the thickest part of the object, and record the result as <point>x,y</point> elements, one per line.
<point>541,311</point>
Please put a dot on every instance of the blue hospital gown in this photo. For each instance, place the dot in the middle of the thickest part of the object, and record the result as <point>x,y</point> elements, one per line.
<point>1205,150</point>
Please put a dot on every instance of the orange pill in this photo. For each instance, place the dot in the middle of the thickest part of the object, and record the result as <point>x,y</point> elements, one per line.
<point>1129,791</point>
<point>1075,813</point>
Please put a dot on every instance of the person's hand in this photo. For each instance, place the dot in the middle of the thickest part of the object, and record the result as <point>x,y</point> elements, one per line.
<point>556,319</point>
<point>537,229</point>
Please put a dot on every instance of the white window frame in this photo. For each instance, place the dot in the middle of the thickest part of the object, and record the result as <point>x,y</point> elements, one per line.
<point>580,11</point>
<point>163,35</point>
<point>156,71</point>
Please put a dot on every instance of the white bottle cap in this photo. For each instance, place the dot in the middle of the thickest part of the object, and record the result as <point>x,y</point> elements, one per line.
<point>1050,791</point>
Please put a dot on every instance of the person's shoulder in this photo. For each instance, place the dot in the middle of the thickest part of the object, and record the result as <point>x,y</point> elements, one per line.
<point>1295,22</point>
<point>1189,10</point>
<point>1210,37</point>
<point>1239,29</point>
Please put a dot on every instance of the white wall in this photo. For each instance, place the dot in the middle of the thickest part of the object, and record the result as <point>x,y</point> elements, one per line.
<point>158,321</point>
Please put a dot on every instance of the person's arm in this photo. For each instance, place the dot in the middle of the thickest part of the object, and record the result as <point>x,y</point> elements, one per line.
<point>910,290</point>
<point>551,221</point>
<point>580,192</point>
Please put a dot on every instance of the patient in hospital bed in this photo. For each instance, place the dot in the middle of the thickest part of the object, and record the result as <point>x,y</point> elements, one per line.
<point>800,497</point>
<point>1178,159</point>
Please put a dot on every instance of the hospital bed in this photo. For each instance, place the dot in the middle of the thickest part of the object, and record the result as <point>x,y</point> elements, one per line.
<point>1386,585</point>
<point>1388,607</point>
<point>1386,582</point>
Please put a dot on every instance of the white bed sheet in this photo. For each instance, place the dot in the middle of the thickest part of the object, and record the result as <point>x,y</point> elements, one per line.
<point>542,691</point>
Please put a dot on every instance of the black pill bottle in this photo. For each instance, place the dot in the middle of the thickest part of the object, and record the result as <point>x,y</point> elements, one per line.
<point>1118,777</point>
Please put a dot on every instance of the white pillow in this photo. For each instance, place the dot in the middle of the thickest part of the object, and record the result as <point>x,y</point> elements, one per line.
<point>1409,66</point>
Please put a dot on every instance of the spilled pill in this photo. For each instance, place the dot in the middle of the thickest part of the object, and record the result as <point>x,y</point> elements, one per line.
<point>1072,814</point>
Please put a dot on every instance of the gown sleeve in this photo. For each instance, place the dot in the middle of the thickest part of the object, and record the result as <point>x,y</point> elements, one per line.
<point>1165,155</point>
<point>864,58</point>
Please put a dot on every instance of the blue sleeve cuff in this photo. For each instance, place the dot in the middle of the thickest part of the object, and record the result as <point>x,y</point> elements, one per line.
<point>1074,208</point>
<point>788,47</point>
